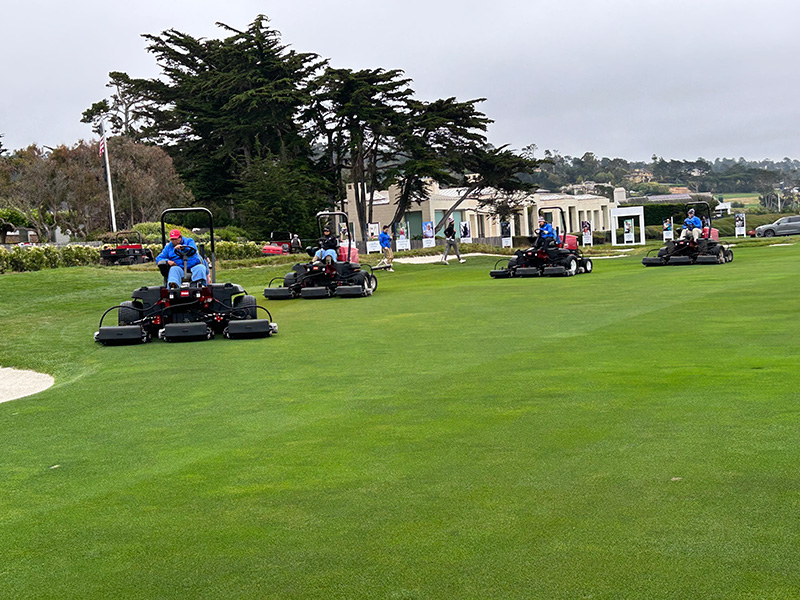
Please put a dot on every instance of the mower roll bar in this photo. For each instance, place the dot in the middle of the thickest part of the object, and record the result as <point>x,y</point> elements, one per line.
<point>190,209</point>
<point>337,213</point>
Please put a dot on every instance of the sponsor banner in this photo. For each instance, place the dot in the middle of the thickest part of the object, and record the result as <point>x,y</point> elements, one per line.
<point>740,223</point>
<point>465,232</point>
<point>404,244</point>
<point>627,230</point>
<point>669,230</point>
<point>586,228</point>
<point>401,231</point>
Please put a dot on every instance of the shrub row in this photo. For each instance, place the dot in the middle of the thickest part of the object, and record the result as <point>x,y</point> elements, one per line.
<point>36,258</point>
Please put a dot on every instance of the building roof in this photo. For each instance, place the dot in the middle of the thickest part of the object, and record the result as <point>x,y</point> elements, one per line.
<point>668,198</point>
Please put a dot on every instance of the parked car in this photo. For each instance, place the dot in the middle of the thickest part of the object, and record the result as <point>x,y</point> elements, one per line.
<point>783,226</point>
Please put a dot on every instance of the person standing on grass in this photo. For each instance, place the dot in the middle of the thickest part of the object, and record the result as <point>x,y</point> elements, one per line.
<point>450,240</point>
<point>386,247</point>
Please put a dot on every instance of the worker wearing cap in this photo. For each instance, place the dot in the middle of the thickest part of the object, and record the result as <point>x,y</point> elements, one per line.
<point>327,246</point>
<point>546,237</point>
<point>173,255</point>
<point>692,226</point>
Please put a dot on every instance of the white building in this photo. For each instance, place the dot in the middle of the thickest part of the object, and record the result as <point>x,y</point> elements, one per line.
<point>578,208</point>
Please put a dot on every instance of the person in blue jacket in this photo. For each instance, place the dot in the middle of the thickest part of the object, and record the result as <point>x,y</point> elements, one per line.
<point>170,256</point>
<point>386,247</point>
<point>692,226</point>
<point>547,238</point>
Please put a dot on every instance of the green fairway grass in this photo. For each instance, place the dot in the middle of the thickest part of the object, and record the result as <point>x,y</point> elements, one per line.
<point>630,433</point>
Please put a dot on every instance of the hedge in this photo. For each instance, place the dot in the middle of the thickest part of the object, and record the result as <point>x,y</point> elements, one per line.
<point>36,258</point>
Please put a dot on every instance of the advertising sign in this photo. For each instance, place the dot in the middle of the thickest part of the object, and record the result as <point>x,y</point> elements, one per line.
<point>740,222</point>
<point>505,234</point>
<point>373,231</point>
<point>669,232</point>
<point>401,236</point>
<point>586,228</point>
<point>466,233</point>
<point>427,235</point>
<point>627,230</point>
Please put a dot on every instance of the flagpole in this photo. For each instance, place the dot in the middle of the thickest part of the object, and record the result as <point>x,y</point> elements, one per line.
<point>108,177</point>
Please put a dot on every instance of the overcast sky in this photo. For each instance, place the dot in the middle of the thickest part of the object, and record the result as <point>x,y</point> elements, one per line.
<point>621,78</point>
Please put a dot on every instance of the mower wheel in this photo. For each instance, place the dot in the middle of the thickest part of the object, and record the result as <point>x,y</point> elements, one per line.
<point>371,282</point>
<point>588,265</point>
<point>246,306</point>
<point>721,256</point>
<point>729,256</point>
<point>127,314</point>
<point>570,266</point>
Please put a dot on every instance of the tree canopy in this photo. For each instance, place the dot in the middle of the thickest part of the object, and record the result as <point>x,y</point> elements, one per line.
<point>266,136</point>
<point>65,187</point>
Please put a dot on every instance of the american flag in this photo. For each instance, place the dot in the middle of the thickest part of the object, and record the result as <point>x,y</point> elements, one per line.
<point>102,145</point>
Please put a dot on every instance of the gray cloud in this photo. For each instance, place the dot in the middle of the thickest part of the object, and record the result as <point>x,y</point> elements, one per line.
<point>626,78</point>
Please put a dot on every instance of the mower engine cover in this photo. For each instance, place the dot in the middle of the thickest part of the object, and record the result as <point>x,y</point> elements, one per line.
<point>344,257</point>
<point>570,242</point>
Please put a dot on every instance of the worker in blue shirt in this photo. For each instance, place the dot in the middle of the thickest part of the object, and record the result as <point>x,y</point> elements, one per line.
<point>547,238</point>
<point>386,247</point>
<point>692,226</point>
<point>173,255</point>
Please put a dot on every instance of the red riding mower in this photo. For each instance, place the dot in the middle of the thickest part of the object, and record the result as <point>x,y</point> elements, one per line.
<point>558,257</point>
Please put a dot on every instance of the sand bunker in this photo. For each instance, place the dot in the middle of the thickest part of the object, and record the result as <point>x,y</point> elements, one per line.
<point>18,384</point>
